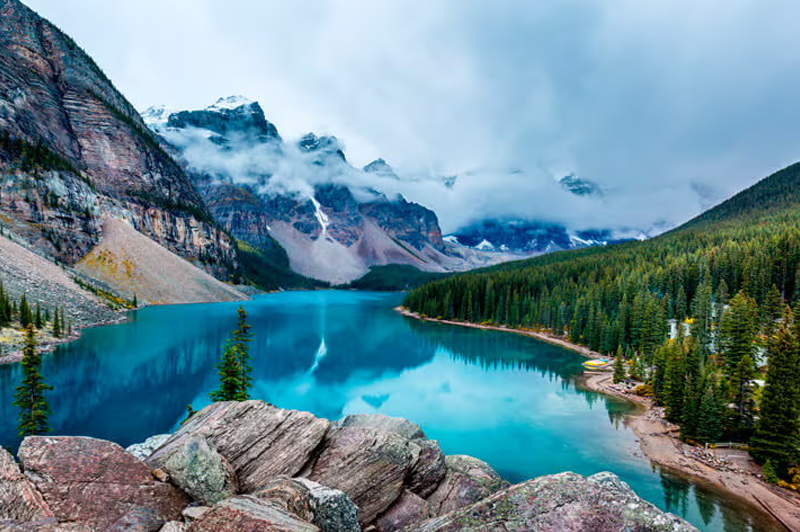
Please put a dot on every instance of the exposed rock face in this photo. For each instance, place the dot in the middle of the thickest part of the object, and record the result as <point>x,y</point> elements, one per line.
<point>93,154</point>
<point>468,480</point>
<point>19,498</point>
<point>96,483</point>
<point>199,470</point>
<point>566,502</point>
<point>246,513</point>
<point>369,465</point>
<point>259,440</point>
<point>349,226</point>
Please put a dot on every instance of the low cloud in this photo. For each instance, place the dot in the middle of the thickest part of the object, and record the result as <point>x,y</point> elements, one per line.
<point>669,106</point>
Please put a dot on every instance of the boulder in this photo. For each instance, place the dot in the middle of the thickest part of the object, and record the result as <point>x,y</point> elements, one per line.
<point>143,450</point>
<point>369,465</point>
<point>429,469</point>
<point>466,481</point>
<point>95,483</point>
<point>246,513</point>
<point>566,502</point>
<point>259,440</point>
<point>198,469</point>
<point>329,509</point>
<point>19,498</point>
<point>400,426</point>
<point>333,510</point>
<point>409,509</point>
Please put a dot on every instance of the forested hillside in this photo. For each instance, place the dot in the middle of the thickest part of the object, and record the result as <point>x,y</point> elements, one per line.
<point>728,276</point>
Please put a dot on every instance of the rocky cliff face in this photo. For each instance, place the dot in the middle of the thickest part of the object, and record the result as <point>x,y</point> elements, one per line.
<point>252,466</point>
<point>302,197</point>
<point>72,149</point>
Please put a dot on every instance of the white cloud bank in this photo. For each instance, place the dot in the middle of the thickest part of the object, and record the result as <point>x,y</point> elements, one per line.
<point>654,101</point>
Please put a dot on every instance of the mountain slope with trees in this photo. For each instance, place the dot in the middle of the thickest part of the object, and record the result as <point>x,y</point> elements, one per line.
<point>700,313</point>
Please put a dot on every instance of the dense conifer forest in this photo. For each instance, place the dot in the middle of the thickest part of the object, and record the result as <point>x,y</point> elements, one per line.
<point>702,315</point>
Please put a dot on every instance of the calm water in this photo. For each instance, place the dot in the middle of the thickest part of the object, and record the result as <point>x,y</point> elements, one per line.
<point>507,399</point>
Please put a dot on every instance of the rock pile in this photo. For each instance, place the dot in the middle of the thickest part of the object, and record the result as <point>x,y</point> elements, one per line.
<point>253,467</point>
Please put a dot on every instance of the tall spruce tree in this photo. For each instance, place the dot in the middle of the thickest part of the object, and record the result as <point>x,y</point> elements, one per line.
<point>34,409</point>
<point>777,432</point>
<point>234,368</point>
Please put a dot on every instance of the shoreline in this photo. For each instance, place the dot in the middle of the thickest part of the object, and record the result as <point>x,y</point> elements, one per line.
<point>659,442</point>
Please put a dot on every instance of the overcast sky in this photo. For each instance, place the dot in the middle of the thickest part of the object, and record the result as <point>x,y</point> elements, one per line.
<point>656,101</point>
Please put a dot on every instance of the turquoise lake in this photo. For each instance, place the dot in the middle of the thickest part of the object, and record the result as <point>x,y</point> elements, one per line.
<point>504,398</point>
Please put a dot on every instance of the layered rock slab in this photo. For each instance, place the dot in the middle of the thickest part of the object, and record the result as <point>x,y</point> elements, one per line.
<point>259,440</point>
<point>566,502</point>
<point>96,483</point>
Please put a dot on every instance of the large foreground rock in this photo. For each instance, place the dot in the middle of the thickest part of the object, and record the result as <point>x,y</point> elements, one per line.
<point>97,484</point>
<point>19,498</point>
<point>467,481</point>
<point>246,513</point>
<point>199,470</point>
<point>368,464</point>
<point>259,440</point>
<point>407,510</point>
<point>329,509</point>
<point>566,502</point>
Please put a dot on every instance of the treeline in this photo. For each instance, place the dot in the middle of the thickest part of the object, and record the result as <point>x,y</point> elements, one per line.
<point>21,313</point>
<point>722,285</point>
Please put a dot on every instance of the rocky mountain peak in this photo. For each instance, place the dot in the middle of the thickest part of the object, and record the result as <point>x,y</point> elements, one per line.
<point>231,115</point>
<point>324,146</point>
<point>381,168</point>
<point>579,186</point>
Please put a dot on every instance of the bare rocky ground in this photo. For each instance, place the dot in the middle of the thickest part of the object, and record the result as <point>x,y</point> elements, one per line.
<point>252,467</point>
<point>132,264</point>
<point>43,282</point>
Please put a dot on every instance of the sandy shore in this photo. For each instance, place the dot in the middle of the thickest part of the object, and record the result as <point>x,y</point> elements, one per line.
<point>729,470</point>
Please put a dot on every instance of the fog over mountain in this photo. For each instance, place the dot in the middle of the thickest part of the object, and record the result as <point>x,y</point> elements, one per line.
<point>647,101</point>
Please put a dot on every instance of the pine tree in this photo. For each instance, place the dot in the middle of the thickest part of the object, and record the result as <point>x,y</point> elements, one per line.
<point>135,301</point>
<point>30,396</point>
<point>57,327</point>
<point>234,369</point>
<point>674,388</point>
<point>25,316</point>
<point>710,416</point>
<point>37,319</point>
<point>777,431</point>
<point>619,366</point>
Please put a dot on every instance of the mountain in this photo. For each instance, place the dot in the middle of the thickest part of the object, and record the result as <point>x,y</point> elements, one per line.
<point>750,243</point>
<point>579,186</point>
<point>300,207</point>
<point>528,237</point>
<point>73,150</point>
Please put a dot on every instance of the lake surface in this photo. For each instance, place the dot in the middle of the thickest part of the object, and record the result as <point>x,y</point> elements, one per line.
<point>504,398</point>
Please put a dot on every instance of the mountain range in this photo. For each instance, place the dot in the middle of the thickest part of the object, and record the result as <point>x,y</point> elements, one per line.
<point>83,176</point>
<point>303,199</point>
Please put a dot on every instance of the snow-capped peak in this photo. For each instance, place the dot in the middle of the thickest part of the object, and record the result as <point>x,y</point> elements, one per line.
<point>157,115</point>
<point>485,245</point>
<point>230,102</point>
